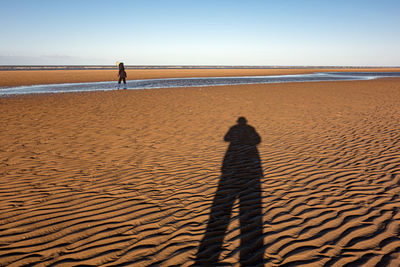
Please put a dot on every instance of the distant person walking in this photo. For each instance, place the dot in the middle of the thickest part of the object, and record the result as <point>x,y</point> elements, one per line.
<point>122,75</point>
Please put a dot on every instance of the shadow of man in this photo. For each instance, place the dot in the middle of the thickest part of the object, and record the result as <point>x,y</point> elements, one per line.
<point>241,174</point>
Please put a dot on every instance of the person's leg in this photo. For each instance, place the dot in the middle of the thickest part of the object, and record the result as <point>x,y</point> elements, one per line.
<point>124,79</point>
<point>119,82</point>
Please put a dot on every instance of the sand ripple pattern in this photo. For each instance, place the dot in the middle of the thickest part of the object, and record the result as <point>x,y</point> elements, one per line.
<point>128,178</point>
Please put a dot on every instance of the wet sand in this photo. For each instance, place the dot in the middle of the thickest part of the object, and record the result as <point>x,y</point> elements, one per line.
<point>130,177</point>
<point>15,78</point>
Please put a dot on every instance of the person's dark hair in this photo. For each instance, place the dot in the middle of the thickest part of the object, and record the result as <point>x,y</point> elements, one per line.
<point>121,66</point>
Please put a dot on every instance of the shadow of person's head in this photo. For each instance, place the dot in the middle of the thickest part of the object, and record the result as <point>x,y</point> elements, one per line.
<point>242,121</point>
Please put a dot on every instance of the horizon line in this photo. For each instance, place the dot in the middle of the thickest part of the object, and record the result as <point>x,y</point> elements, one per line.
<point>177,66</point>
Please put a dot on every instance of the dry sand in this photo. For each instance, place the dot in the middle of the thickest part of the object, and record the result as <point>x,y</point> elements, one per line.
<point>128,177</point>
<point>15,78</point>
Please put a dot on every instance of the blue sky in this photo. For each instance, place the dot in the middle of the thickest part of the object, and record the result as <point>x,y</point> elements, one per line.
<point>201,32</point>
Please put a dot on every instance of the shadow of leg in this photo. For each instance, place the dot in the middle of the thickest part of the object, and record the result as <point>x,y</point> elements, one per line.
<point>211,245</point>
<point>251,225</point>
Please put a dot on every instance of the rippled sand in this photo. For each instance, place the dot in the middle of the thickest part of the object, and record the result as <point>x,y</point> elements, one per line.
<point>129,177</point>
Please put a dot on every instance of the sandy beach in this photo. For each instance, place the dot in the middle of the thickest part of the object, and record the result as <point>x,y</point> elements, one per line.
<point>134,177</point>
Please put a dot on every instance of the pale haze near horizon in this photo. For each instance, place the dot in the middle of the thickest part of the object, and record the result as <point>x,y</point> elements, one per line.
<point>155,32</point>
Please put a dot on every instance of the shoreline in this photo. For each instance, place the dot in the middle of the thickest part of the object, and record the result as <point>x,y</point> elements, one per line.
<point>38,77</point>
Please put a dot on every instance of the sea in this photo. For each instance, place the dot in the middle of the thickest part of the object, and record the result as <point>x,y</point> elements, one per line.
<point>111,67</point>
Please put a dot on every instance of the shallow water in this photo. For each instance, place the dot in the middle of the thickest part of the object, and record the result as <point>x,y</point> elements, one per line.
<point>194,82</point>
